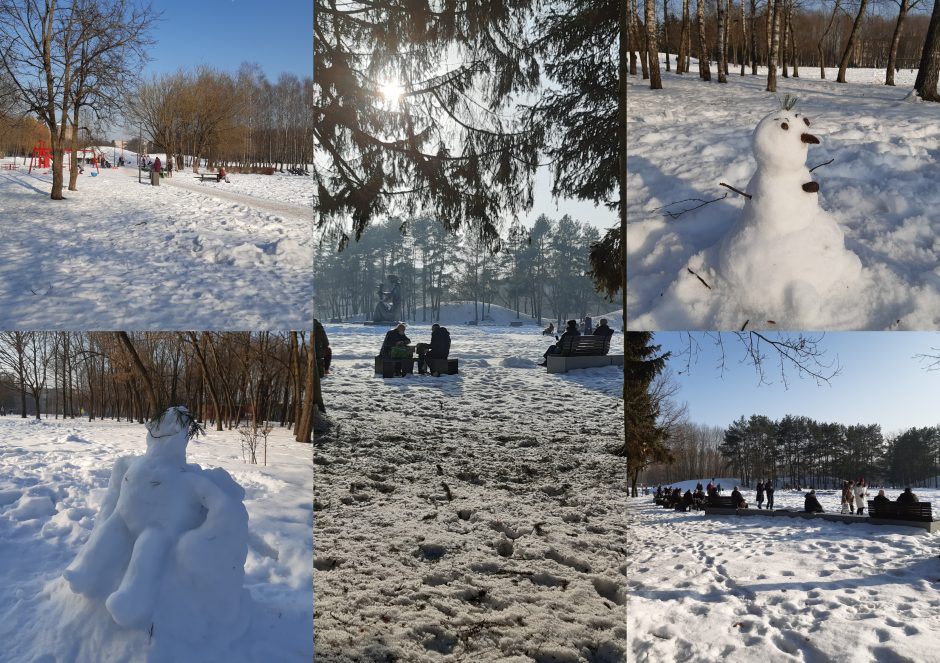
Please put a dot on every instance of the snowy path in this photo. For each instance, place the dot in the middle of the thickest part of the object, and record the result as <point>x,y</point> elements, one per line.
<point>53,476</point>
<point>122,255</point>
<point>469,517</point>
<point>181,180</point>
<point>724,588</point>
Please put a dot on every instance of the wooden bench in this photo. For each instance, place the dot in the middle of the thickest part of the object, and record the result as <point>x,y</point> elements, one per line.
<point>438,366</point>
<point>208,176</point>
<point>390,368</point>
<point>929,525</point>
<point>919,511</point>
<point>582,352</point>
<point>10,166</point>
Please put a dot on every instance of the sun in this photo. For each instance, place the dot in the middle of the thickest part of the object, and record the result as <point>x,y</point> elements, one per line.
<point>391,90</point>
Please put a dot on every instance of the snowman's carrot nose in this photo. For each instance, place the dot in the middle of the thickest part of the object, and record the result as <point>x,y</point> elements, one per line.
<point>809,138</point>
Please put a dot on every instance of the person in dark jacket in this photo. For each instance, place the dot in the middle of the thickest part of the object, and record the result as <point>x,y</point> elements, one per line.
<point>550,330</point>
<point>738,499</point>
<point>322,354</point>
<point>811,504</point>
<point>438,348</point>
<point>881,498</point>
<point>392,339</point>
<point>603,329</point>
<point>687,501</point>
<point>570,330</point>
<point>760,494</point>
<point>769,489</point>
<point>907,497</point>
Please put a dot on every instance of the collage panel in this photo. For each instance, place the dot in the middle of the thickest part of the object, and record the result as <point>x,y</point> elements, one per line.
<point>155,165</point>
<point>793,521</point>
<point>155,496</point>
<point>467,507</point>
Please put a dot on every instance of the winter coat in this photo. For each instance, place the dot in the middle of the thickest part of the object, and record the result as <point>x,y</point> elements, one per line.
<point>812,505</point>
<point>391,340</point>
<point>603,330</point>
<point>907,498</point>
<point>440,343</point>
<point>760,492</point>
<point>861,492</point>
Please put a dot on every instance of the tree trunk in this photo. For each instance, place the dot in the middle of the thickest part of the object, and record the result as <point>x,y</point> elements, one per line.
<point>819,45</point>
<point>793,58</point>
<point>774,47</point>
<point>784,27</point>
<point>704,68</point>
<point>141,372</point>
<point>753,37</point>
<point>929,71</point>
<point>639,31</point>
<point>743,39</point>
<point>895,40</point>
<point>666,32</point>
<point>652,49</point>
<point>722,42</point>
<point>681,64</point>
<point>850,44</point>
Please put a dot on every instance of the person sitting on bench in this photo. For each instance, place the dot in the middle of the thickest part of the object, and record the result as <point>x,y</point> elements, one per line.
<point>550,330</point>
<point>738,499</point>
<point>438,348</point>
<point>571,330</point>
<point>907,497</point>
<point>602,329</point>
<point>393,338</point>
<point>687,501</point>
<point>881,498</point>
<point>811,504</point>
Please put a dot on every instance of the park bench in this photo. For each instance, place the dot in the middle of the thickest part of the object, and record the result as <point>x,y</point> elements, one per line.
<point>582,352</point>
<point>919,511</point>
<point>208,176</point>
<point>10,166</point>
<point>441,366</point>
<point>389,368</point>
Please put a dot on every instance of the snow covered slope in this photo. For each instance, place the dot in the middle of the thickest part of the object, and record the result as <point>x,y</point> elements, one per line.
<point>880,188</point>
<point>459,313</point>
<point>473,517</point>
<point>53,476</point>
<point>115,253</point>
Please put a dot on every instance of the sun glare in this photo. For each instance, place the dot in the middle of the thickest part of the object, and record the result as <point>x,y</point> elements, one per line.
<point>391,91</point>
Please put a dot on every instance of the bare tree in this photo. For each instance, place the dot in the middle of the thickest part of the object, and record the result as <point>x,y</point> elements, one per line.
<point>822,38</point>
<point>774,11</point>
<point>681,63</point>
<point>903,8</point>
<point>704,67</point>
<point>929,71</point>
<point>850,43</point>
<point>722,42</point>
<point>652,50</point>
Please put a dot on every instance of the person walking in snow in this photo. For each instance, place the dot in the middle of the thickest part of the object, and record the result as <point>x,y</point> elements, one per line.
<point>769,489</point>
<point>155,172</point>
<point>861,492</point>
<point>760,494</point>
<point>169,166</point>
<point>587,327</point>
<point>848,497</point>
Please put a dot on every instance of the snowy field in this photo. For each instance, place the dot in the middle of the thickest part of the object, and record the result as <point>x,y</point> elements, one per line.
<point>53,476</point>
<point>459,313</point>
<point>121,254</point>
<point>473,517</point>
<point>279,187</point>
<point>754,589</point>
<point>880,189</point>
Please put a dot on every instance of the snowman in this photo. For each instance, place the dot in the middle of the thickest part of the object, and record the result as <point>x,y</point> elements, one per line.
<point>170,542</point>
<point>785,257</point>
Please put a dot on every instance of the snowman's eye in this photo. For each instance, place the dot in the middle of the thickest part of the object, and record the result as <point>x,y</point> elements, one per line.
<point>806,120</point>
<point>784,126</point>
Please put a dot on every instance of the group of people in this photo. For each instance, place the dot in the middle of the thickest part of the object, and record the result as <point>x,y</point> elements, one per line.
<point>397,345</point>
<point>674,498</point>
<point>850,493</point>
<point>572,329</point>
<point>585,327</point>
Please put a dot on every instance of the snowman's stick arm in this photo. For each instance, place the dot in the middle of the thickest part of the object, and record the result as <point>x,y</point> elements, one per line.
<point>825,163</point>
<point>728,186</point>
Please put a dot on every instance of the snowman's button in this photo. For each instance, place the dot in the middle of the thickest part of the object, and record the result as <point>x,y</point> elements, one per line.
<point>811,187</point>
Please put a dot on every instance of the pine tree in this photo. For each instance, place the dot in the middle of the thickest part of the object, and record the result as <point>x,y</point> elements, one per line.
<point>645,439</point>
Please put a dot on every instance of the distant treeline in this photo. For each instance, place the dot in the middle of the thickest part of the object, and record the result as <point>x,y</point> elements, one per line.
<point>541,272</point>
<point>803,451</point>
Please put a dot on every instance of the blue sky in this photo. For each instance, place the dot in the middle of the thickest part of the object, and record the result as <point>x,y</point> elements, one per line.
<point>276,34</point>
<point>880,382</point>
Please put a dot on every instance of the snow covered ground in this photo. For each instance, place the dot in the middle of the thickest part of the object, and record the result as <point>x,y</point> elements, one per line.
<point>754,589</point>
<point>880,188</point>
<point>53,476</point>
<point>118,254</point>
<point>469,517</point>
<point>279,187</point>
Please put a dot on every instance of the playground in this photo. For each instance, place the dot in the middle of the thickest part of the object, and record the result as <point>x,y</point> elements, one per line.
<point>121,253</point>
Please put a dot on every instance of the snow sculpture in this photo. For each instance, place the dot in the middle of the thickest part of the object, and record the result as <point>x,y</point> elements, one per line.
<point>785,256</point>
<point>169,545</point>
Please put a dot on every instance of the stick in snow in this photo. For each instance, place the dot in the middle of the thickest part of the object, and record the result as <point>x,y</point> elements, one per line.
<point>699,278</point>
<point>728,186</point>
